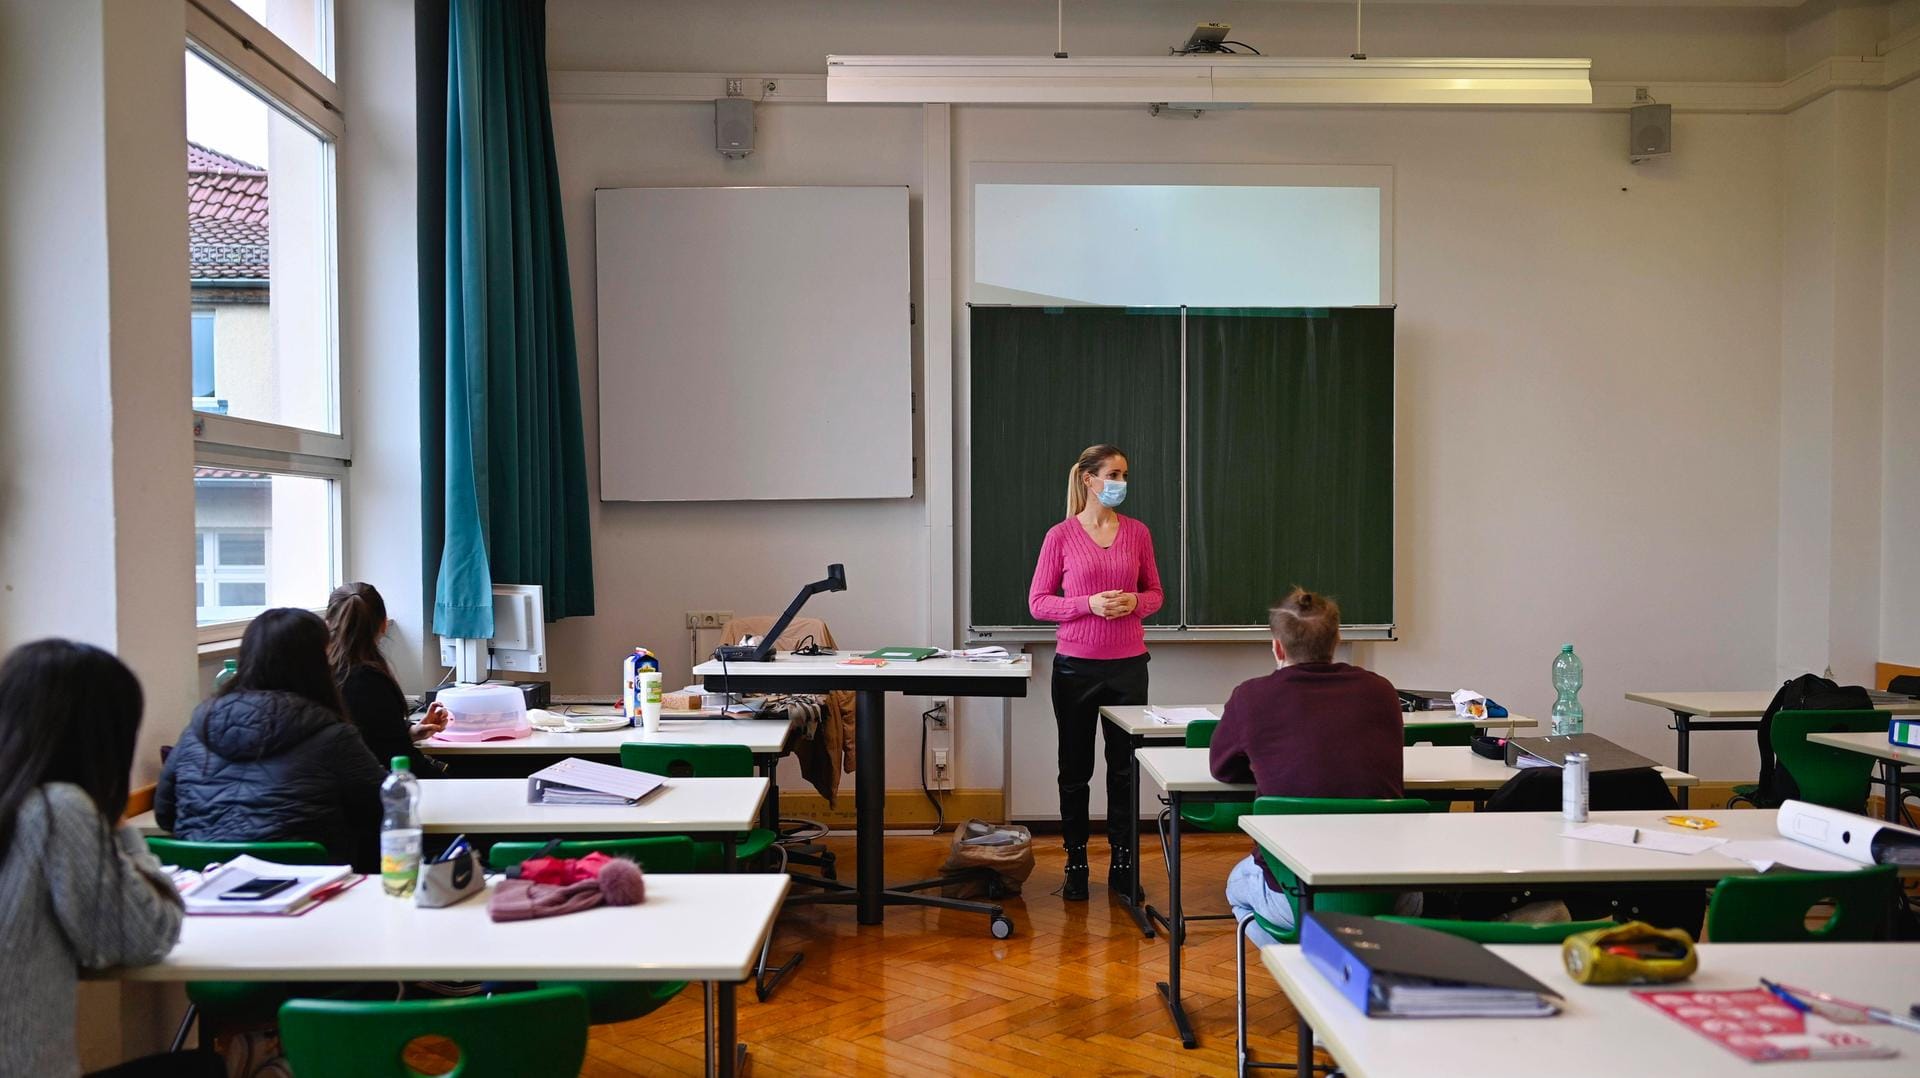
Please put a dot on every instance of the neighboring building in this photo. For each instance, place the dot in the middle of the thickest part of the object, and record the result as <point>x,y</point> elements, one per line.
<point>232,335</point>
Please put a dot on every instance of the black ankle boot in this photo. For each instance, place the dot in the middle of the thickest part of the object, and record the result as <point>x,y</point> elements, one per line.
<point>1075,887</point>
<point>1120,874</point>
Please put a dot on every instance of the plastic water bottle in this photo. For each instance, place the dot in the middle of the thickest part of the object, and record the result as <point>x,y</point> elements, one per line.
<point>1567,670</point>
<point>228,671</point>
<point>400,830</point>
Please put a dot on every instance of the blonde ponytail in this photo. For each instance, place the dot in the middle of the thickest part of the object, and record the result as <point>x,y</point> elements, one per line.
<point>1089,462</point>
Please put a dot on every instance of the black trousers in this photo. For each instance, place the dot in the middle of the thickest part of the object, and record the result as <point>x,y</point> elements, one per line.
<point>1081,687</point>
<point>195,1064</point>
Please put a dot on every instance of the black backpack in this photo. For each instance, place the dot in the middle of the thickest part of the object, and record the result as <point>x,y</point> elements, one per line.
<point>1808,692</point>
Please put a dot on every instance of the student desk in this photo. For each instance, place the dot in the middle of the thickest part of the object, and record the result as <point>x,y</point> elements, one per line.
<point>1186,776</point>
<point>1603,1031</point>
<point>1892,758</point>
<point>1726,711</point>
<point>704,928</point>
<point>766,739</point>
<point>1132,725</point>
<point>870,685</point>
<point>714,809</point>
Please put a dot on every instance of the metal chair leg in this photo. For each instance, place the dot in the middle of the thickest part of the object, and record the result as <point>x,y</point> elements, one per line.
<point>1240,995</point>
<point>186,1023</point>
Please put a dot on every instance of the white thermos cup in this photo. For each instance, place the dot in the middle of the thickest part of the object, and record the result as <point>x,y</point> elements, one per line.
<point>649,693</point>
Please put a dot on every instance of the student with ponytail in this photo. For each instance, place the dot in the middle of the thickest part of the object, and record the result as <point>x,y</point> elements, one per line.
<point>1096,577</point>
<point>356,622</point>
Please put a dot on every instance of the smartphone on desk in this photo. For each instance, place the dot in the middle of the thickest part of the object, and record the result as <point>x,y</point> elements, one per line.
<point>256,889</point>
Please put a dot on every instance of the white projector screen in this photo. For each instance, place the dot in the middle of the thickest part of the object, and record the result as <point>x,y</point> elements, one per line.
<point>755,343</point>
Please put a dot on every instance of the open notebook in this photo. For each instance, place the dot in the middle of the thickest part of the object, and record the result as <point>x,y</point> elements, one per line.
<point>219,891</point>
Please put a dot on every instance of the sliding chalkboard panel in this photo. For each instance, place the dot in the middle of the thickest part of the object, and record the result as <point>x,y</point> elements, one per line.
<point>1290,461</point>
<point>1047,383</point>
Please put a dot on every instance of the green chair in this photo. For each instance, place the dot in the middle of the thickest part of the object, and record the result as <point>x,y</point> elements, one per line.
<point>1502,931</point>
<point>1365,903</point>
<point>1773,908</point>
<point>1439,733</point>
<point>719,762</point>
<point>537,1034</point>
<point>1826,776</point>
<point>611,1001</point>
<point>1216,816</point>
<point>234,1004</point>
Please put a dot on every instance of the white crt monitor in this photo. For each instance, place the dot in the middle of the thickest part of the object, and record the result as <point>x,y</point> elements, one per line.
<point>519,641</point>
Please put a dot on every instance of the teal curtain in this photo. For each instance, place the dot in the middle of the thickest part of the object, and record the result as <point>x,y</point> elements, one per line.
<point>514,483</point>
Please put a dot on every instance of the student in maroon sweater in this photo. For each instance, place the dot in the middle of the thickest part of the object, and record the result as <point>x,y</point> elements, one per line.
<point>1313,728</point>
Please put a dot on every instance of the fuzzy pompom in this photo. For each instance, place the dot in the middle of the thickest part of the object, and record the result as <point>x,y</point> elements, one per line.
<point>622,883</point>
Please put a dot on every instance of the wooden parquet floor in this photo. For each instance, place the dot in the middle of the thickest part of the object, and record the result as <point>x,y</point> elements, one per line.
<point>930,992</point>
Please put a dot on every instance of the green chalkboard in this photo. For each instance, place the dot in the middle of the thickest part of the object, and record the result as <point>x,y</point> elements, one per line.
<point>1046,383</point>
<point>1285,475</point>
<point>1289,461</point>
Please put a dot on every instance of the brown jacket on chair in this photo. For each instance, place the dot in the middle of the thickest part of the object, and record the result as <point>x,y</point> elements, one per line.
<point>829,753</point>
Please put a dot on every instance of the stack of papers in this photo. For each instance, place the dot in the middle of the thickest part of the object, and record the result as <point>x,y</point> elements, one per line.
<point>1643,838</point>
<point>991,653</point>
<point>316,882</point>
<point>574,781</point>
<point>1180,716</point>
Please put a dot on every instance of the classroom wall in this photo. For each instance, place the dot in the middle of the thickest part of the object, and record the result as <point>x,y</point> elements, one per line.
<point>1900,435</point>
<point>1597,337</point>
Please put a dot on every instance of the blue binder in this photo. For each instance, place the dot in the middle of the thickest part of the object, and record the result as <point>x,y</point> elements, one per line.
<point>1365,959</point>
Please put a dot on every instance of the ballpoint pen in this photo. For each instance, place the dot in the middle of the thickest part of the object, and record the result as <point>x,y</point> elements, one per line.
<point>1875,1014</point>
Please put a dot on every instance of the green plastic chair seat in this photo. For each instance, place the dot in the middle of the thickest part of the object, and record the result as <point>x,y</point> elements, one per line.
<point>1835,778</point>
<point>235,1004</point>
<point>536,1034</point>
<point>1773,908</point>
<point>613,1001</point>
<point>1367,904</point>
<point>706,762</point>
<point>1502,931</point>
<point>1214,816</point>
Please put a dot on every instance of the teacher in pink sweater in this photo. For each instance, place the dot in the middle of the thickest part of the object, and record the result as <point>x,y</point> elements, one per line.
<point>1097,579</point>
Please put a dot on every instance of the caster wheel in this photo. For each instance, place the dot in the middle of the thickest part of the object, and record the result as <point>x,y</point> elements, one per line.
<point>1002,927</point>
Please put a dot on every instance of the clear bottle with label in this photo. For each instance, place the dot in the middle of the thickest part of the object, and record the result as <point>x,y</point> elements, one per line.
<point>400,830</point>
<point>1568,718</point>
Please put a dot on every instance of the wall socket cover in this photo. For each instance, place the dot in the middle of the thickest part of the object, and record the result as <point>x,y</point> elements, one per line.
<point>708,619</point>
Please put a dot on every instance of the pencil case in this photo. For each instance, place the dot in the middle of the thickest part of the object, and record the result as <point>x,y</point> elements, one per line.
<point>443,883</point>
<point>1630,953</point>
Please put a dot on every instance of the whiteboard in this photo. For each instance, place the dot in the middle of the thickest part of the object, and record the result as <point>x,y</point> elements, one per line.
<point>755,343</point>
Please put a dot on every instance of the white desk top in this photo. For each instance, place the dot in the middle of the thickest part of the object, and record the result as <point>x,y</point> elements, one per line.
<point>1870,744</point>
<point>1441,849</point>
<point>1178,769</point>
<point>760,736</point>
<point>1737,705</point>
<point>499,807</point>
<point>786,664</point>
<point>1134,720</point>
<point>695,927</point>
<point>1603,1032</point>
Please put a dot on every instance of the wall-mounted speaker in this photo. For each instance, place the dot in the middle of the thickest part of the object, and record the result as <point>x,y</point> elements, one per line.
<point>733,127</point>
<point>1649,132</point>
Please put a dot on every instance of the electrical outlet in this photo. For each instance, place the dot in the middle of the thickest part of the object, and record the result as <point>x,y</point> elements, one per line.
<point>937,766</point>
<point>708,619</point>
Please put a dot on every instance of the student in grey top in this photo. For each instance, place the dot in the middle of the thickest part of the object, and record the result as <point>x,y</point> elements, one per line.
<point>77,893</point>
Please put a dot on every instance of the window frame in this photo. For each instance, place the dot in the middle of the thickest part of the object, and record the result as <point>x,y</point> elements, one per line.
<point>233,42</point>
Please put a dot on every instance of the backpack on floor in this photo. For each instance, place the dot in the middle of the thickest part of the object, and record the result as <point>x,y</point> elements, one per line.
<point>1808,692</point>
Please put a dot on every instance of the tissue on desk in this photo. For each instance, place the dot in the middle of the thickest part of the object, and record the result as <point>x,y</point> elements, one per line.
<point>1468,704</point>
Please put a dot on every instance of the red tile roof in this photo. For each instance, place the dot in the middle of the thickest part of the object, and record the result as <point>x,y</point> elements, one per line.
<point>226,216</point>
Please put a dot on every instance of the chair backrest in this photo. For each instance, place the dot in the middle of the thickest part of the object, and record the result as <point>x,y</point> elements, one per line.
<point>1773,908</point>
<point>656,853</point>
<point>797,630</point>
<point>198,855</point>
<point>689,761</point>
<point>1366,904</point>
<point>1200,732</point>
<point>1836,778</point>
<point>536,1034</point>
<point>1904,684</point>
<point>1440,733</point>
<point>1503,931</point>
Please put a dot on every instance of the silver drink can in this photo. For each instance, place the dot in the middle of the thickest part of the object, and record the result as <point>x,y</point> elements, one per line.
<point>1573,788</point>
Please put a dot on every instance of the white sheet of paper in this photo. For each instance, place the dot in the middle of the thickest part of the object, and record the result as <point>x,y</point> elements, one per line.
<point>1765,853</point>
<point>1180,716</point>
<point>1619,834</point>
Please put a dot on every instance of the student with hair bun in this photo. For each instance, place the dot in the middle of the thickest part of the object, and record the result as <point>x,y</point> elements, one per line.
<point>356,622</point>
<point>1312,728</point>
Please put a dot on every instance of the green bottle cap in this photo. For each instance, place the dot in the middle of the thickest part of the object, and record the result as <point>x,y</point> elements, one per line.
<point>401,763</point>
<point>231,666</point>
<point>1566,647</point>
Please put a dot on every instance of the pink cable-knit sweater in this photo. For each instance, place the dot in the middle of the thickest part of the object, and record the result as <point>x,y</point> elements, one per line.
<point>1072,567</point>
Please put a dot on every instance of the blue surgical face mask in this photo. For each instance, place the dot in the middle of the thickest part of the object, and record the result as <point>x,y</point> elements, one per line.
<point>1112,492</point>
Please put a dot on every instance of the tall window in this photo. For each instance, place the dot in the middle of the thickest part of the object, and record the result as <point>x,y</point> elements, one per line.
<point>271,445</point>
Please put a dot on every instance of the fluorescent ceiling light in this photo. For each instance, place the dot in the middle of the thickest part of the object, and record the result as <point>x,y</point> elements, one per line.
<point>1096,80</point>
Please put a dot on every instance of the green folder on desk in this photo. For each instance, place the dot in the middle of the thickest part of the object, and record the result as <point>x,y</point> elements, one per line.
<point>902,655</point>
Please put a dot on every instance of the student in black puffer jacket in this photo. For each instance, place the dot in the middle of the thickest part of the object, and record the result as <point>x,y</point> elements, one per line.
<point>271,758</point>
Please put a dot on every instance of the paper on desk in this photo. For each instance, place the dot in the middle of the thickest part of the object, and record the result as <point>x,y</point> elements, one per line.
<point>1619,834</point>
<point>1180,716</point>
<point>1765,853</point>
